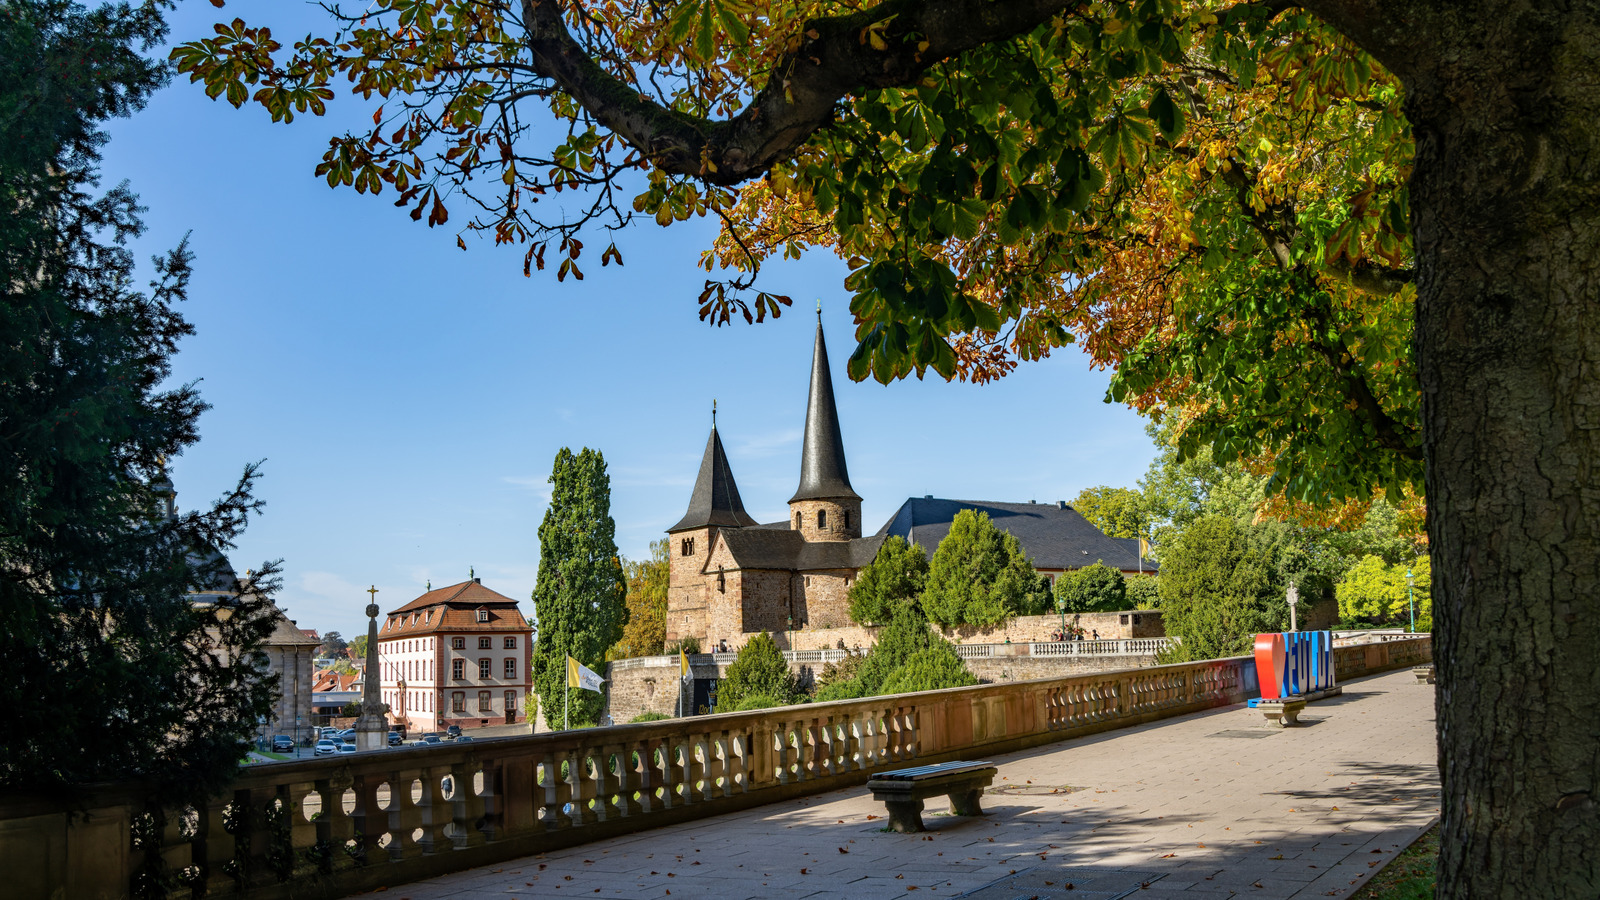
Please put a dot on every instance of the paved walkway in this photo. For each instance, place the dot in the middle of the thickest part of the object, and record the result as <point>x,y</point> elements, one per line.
<point>1211,804</point>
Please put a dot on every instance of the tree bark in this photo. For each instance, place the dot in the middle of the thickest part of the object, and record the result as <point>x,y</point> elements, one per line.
<point>1505,206</point>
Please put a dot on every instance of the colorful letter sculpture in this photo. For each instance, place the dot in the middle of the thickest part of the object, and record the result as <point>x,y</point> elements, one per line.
<point>1294,663</point>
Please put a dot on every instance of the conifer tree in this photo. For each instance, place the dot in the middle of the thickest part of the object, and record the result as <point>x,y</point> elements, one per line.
<point>758,678</point>
<point>97,626</point>
<point>1218,591</point>
<point>894,577</point>
<point>578,599</point>
<point>980,576</point>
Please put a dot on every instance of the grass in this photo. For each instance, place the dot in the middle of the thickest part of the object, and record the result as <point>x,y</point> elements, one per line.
<point>1410,875</point>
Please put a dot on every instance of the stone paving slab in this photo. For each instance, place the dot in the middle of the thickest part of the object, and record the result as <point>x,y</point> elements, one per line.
<point>1303,813</point>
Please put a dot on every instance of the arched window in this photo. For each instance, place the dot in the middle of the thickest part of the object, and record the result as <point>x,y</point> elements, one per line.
<point>799,519</point>
<point>822,520</point>
<point>847,520</point>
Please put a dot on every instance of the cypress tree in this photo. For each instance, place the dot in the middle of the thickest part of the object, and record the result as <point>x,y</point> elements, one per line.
<point>578,599</point>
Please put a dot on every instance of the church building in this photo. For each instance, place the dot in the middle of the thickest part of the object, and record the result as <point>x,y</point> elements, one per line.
<point>731,575</point>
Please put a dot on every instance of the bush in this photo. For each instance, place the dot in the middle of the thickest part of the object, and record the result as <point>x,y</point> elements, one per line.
<point>1144,591</point>
<point>1217,591</point>
<point>980,576</point>
<point>760,670</point>
<point>895,577</point>
<point>909,656</point>
<point>930,669</point>
<point>648,717</point>
<point>689,645</point>
<point>835,672</point>
<point>1096,588</point>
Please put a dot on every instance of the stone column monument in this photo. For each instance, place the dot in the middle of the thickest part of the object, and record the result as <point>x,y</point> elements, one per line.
<point>372,728</point>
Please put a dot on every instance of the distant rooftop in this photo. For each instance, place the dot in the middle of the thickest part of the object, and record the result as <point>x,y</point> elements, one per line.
<point>1053,535</point>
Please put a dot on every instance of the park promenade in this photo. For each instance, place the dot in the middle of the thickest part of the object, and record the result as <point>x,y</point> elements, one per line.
<point>396,819</point>
<point>1210,803</point>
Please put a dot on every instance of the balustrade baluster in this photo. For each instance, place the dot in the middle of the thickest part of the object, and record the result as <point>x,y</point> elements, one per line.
<point>335,828</point>
<point>694,764</point>
<point>608,782</point>
<point>580,783</point>
<point>556,795</point>
<point>302,833</point>
<point>217,847</point>
<point>265,838</point>
<point>434,812</point>
<point>371,820</point>
<point>404,816</point>
<point>467,814</point>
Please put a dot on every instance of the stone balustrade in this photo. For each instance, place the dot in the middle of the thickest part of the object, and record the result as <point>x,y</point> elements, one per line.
<point>330,827</point>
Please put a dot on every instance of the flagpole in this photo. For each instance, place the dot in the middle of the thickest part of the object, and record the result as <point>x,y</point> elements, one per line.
<point>566,696</point>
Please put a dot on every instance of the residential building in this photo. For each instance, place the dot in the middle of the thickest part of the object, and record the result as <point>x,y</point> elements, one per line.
<point>457,655</point>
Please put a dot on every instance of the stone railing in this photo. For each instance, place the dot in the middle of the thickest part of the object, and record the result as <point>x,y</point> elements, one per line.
<point>330,827</point>
<point>1120,647</point>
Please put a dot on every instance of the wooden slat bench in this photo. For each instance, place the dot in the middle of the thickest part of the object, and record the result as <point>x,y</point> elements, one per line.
<point>903,790</point>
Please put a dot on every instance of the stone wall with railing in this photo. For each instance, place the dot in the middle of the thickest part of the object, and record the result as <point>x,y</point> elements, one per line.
<point>330,827</point>
<point>649,684</point>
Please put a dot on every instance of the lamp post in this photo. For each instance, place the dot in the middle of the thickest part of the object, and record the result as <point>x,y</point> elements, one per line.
<point>1294,600</point>
<point>1411,598</point>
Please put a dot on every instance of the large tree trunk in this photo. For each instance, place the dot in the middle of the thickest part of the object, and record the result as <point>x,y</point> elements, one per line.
<point>1505,205</point>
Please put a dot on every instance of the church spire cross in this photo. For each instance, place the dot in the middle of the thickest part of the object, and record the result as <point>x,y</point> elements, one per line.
<point>823,473</point>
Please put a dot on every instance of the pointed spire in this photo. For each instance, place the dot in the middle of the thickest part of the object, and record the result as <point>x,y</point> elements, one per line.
<point>823,474</point>
<point>716,496</point>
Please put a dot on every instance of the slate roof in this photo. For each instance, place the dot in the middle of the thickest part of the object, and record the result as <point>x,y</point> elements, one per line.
<point>823,474</point>
<point>1053,535</point>
<point>715,500</point>
<point>770,548</point>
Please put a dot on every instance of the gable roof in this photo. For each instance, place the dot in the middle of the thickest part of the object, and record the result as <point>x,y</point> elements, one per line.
<point>468,592</point>
<point>770,548</point>
<point>715,500</point>
<point>454,609</point>
<point>1053,535</point>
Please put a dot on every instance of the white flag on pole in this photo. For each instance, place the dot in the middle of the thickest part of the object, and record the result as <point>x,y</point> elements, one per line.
<point>579,676</point>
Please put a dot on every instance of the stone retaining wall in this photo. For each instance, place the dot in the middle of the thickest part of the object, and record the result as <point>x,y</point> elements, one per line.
<point>1135,623</point>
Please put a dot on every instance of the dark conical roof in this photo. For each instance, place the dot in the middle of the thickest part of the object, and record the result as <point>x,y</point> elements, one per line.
<point>716,496</point>
<point>823,474</point>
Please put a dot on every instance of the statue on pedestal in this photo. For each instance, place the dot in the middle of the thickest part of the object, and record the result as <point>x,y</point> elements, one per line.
<point>372,729</point>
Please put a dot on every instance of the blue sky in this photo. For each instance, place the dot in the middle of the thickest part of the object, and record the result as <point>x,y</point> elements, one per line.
<point>408,398</point>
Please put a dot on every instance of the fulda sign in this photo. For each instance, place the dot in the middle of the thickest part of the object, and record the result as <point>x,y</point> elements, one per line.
<point>1294,663</point>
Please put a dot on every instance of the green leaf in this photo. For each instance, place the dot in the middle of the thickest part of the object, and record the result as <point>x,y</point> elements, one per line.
<point>1166,114</point>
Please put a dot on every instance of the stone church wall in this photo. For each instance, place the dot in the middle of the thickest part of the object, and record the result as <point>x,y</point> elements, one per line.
<point>686,597</point>
<point>823,598</point>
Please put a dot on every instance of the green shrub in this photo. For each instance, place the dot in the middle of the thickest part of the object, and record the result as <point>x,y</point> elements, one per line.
<point>759,670</point>
<point>1096,588</point>
<point>908,655</point>
<point>689,645</point>
<point>754,701</point>
<point>648,717</point>
<point>930,669</point>
<point>980,576</point>
<point>1144,591</point>
<point>835,672</point>
<point>894,577</point>
<point>1217,591</point>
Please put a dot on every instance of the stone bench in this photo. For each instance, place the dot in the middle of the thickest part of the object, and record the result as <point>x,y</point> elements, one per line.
<point>1424,673</point>
<point>1282,713</point>
<point>903,791</point>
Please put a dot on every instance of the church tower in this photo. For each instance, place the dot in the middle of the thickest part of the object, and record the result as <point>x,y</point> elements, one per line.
<point>825,508</point>
<point>714,504</point>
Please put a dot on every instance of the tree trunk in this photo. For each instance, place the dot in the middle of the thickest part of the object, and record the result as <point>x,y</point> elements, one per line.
<point>1505,204</point>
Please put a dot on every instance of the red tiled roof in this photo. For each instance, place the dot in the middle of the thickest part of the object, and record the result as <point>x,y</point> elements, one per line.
<point>465,592</point>
<point>454,609</point>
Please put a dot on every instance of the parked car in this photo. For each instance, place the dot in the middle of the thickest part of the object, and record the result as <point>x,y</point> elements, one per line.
<point>348,735</point>
<point>396,739</point>
<point>464,739</point>
<point>347,748</point>
<point>432,737</point>
<point>282,743</point>
<point>326,748</point>
<point>454,731</point>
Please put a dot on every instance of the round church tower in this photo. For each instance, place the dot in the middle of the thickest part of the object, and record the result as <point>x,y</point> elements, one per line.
<point>825,508</point>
